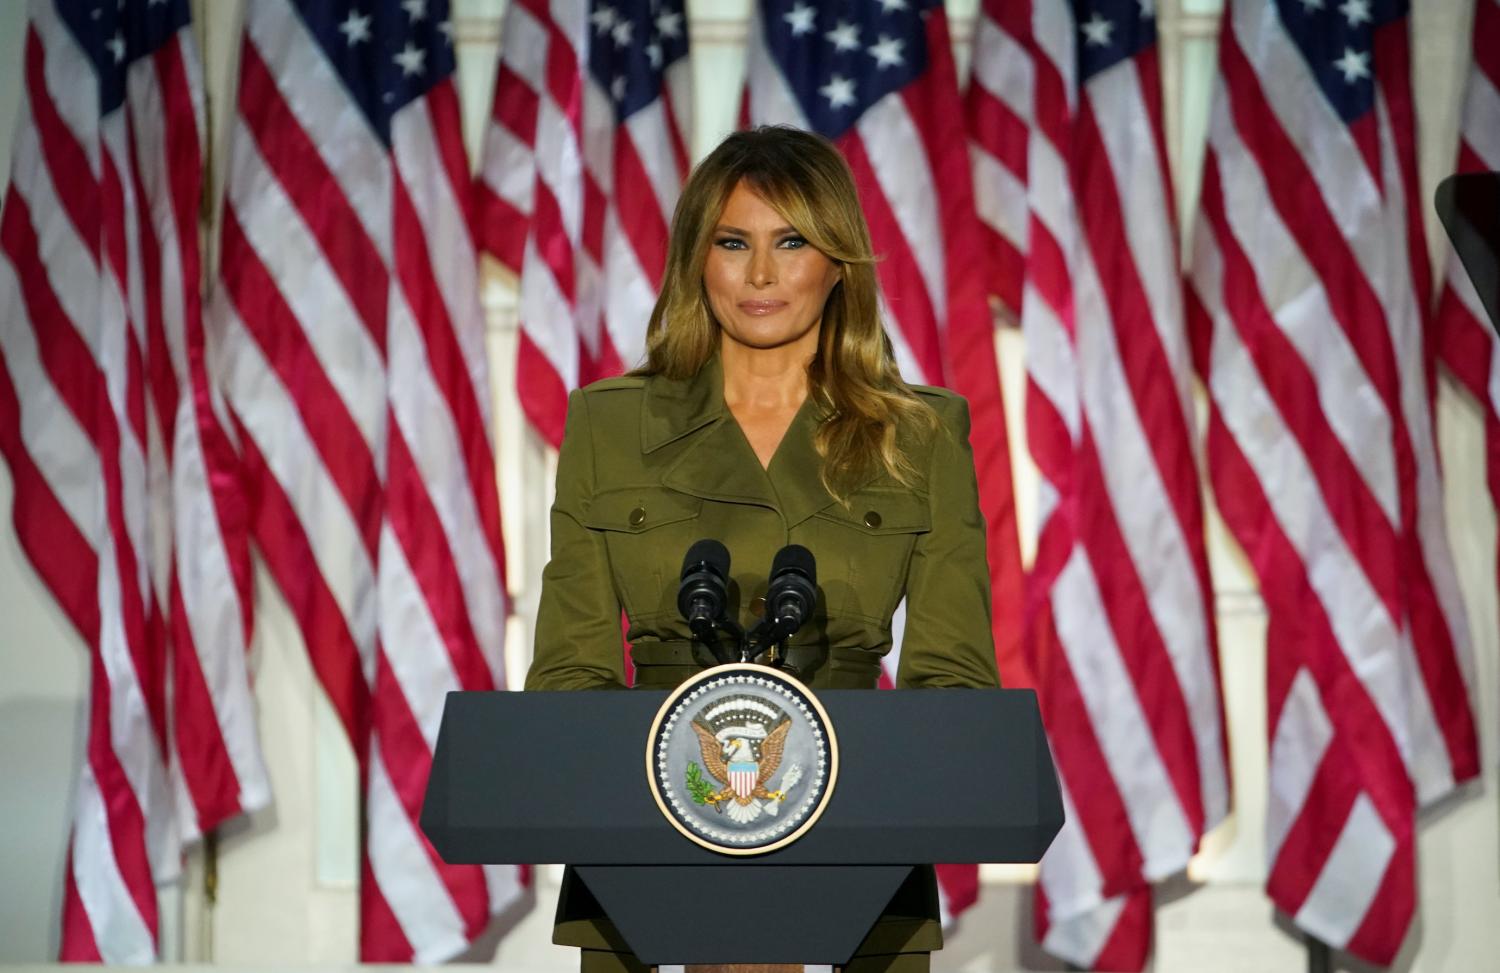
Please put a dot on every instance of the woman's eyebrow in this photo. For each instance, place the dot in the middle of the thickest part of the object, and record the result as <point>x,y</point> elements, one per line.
<point>779,231</point>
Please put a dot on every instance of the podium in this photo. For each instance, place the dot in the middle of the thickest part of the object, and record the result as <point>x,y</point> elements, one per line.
<point>1469,206</point>
<point>950,775</point>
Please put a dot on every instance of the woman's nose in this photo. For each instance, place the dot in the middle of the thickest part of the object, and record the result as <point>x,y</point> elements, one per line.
<point>762,269</point>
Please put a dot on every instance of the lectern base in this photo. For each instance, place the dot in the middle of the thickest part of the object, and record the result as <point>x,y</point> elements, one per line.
<point>741,914</point>
<point>595,961</point>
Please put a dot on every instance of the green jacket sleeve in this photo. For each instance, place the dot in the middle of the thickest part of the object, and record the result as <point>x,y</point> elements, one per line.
<point>948,640</point>
<point>578,637</point>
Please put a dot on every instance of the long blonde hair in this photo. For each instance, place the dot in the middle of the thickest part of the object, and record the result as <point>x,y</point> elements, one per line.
<point>868,414</point>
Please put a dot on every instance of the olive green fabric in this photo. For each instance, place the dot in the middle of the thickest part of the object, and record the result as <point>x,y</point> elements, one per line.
<point>650,465</point>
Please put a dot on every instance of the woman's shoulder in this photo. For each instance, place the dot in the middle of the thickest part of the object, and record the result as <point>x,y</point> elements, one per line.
<point>606,409</point>
<point>922,441</point>
<point>620,383</point>
<point>608,398</point>
<point>952,409</point>
<point>941,399</point>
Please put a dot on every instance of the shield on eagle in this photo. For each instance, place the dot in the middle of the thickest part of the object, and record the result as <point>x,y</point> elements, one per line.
<point>742,777</point>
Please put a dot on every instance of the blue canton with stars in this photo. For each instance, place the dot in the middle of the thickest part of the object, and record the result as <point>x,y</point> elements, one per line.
<point>1111,31</point>
<point>116,34</point>
<point>389,52</point>
<point>841,58</point>
<point>1337,37</point>
<point>631,44</point>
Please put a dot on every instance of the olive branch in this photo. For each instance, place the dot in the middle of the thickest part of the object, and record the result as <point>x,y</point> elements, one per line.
<point>698,789</point>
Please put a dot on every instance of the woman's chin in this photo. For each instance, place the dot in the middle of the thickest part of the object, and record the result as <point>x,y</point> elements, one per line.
<point>761,335</point>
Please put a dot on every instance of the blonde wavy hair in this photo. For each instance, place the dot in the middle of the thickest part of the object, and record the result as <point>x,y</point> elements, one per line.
<point>868,414</point>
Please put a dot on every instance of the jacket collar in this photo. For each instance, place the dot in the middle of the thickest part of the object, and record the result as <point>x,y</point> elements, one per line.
<point>717,462</point>
<point>674,407</point>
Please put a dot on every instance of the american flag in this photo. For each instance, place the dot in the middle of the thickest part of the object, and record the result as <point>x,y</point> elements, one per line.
<point>583,161</point>
<point>348,306</point>
<point>117,454</point>
<point>1071,170</point>
<point>1468,346</point>
<point>1310,327</point>
<point>877,78</point>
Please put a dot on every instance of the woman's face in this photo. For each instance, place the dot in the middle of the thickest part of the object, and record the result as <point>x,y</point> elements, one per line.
<point>766,285</point>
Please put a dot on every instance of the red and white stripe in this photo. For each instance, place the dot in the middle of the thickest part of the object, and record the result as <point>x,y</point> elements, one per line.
<point>574,205</point>
<point>354,362</point>
<point>909,157</point>
<point>1309,328</point>
<point>1000,106</point>
<point>910,162</point>
<point>1467,344</point>
<point>1075,190</point>
<point>106,426</point>
<point>743,781</point>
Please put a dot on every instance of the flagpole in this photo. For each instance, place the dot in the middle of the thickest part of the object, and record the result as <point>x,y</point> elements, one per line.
<point>210,890</point>
<point>205,226</point>
<point>1319,956</point>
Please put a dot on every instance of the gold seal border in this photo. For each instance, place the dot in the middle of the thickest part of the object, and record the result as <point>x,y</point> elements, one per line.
<point>742,668</point>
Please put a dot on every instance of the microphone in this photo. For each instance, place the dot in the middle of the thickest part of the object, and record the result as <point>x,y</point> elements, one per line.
<point>792,590</point>
<point>791,594</point>
<point>701,594</point>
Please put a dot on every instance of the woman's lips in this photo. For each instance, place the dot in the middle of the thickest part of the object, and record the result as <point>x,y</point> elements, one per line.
<point>761,307</point>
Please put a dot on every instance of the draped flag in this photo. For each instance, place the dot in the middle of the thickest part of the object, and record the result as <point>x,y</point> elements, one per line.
<point>584,157</point>
<point>1468,346</point>
<point>355,365</point>
<point>1310,328</point>
<point>1000,108</point>
<point>1071,172</point>
<point>877,78</point>
<point>118,456</point>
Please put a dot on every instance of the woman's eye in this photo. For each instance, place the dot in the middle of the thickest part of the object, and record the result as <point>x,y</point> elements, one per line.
<point>794,243</point>
<point>730,243</point>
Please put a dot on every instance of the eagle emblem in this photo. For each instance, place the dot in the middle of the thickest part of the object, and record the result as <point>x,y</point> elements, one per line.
<point>741,759</point>
<point>742,739</point>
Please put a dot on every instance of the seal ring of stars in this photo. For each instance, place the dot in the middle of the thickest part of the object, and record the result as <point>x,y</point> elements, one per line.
<point>791,819</point>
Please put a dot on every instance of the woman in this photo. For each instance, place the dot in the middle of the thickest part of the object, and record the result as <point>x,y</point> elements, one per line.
<point>769,411</point>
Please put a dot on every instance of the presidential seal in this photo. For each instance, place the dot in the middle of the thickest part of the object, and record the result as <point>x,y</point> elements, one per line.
<point>742,759</point>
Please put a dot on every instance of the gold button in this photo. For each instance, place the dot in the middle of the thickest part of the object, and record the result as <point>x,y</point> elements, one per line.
<point>872,520</point>
<point>757,606</point>
<point>637,516</point>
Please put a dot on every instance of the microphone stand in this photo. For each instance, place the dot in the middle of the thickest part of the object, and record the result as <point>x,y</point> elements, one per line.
<point>709,630</point>
<point>767,636</point>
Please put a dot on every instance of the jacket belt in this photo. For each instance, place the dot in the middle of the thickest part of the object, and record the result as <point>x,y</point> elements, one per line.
<point>678,653</point>
<point>664,664</point>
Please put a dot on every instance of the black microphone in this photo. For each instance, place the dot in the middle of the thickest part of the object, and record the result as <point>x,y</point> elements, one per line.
<point>792,591</point>
<point>701,595</point>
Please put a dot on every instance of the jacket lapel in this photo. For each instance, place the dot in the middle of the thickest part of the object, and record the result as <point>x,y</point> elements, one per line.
<point>795,467</point>
<point>717,462</point>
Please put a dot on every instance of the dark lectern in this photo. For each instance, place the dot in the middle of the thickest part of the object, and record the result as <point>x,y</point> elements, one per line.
<point>1469,205</point>
<point>954,775</point>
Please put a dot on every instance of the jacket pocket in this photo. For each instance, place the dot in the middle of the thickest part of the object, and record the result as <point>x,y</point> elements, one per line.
<point>636,510</point>
<point>646,530</point>
<point>863,552</point>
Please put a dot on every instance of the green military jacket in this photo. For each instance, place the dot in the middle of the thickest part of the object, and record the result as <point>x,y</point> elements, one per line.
<point>651,465</point>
